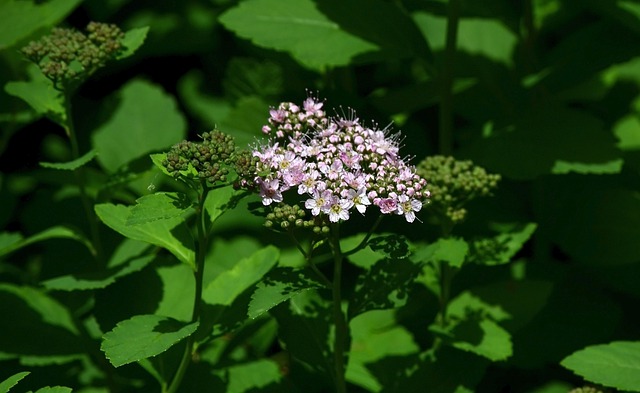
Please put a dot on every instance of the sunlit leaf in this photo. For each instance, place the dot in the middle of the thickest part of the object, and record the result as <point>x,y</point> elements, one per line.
<point>615,365</point>
<point>451,250</point>
<point>13,242</point>
<point>54,389</point>
<point>219,201</point>
<point>246,377</point>
<point>143,336</point>
<point>133,39</point>
<point>501,248</point>
<point>40,94</point>
<point>297,27</point>
<point>145,119</point>
<point>159,206</point>
<point>279,285</point>
<point>171,233</point>
<point>20,19</point>
<point>10,382</point>
<point>231,283</point>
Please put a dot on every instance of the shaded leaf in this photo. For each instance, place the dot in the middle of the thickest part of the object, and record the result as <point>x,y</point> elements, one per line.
<point>501,248</point>
<point>385,285</point>
<point>143,336</point>
<point>451,250</point>
<point>228,285</point>
<point>171,234</point>
<point>615,365</point>
<point>145,119</point>
<point>71,165</point>
<point>54,389</point>
<point>13,242</point>
<point>279,285</point>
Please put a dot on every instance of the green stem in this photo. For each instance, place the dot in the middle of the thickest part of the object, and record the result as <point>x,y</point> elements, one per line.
<point>364,241</point>
<point>201,250</point>
<point>307,258</point>
<point>79,174</point>
<point>447,74</point>
<point>341,333</point>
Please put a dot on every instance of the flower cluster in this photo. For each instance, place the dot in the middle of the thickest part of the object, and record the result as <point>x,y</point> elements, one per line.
<point>335,165</point>
<point>454,183</point>
<point>208,160</point>
<point>68,56</point>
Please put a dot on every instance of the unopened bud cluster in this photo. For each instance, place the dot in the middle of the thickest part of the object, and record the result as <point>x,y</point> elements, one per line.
<point>208,160</point>
<point>454,183</point>
<point>68,56</point>
<point>333,166</point>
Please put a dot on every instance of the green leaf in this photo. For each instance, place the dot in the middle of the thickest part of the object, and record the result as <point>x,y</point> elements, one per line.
<point>143,336</point>
<point>40,331</point>
<point>385,285</point>
<point>473,327</point>
<point>13,242</point>
<point>159,206</point>
<point>615,365</point>
<point>133,39</point>
<point>253,376</point>
<point>54,389</point>
<point>219,201</point>
<point>206,108</point>
<point>20,19</point>
<point>10,382</point>
<point>245,120</point>
<point>40,94</point>
<point>171,233</point>
<point>297,27</point>
<point>376,335</point>
<point>145,119</point>
<point>71,165</point>
<point>502,248</point>
<point>224,289</point>
<point>97,279</point>
<point>550,139</point>
<point>451,250</point>
<point>279,285</point>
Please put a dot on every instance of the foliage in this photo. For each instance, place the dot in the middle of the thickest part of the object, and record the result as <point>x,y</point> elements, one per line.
<point>155,236</point>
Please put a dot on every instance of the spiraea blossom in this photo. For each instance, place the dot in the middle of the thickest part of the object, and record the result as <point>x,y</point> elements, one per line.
<point>337,165</point>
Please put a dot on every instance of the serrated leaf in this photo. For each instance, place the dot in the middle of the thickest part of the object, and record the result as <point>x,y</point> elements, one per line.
<point>54,389</point>
<point>145,119</point>
<point>502,248</point>
<point>143,336</point>
<point>297,27</point>
<point>20,19</point>
<point>386,285</point>
<point>224,289</point>
<point>10,382</point>
<point>40,94</point>
<point>97,279</point>
<point>159,206</point>
<point>472,326</point>
<point>133,39</point>
<point>171,234</point>
<point>15,242</point>
<point>277,286</point>
<point>615,365</point>
<point>71,165</point>
<point>219,201</point>
<point>451,250</point>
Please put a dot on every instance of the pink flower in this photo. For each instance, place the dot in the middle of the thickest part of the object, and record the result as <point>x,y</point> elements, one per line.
<point>269,191</point>
<point>408,207</point>
<point>319,202</point>
<point>339,209</point>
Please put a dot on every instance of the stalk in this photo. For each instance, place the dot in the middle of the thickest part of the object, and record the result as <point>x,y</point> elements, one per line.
<point>341,333</point>
<point>80,179</point>
<point>201,249</point>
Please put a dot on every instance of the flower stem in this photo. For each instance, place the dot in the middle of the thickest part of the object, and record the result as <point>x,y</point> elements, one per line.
<point>79,174</point>
<point>201,249</point>
<point>447,73</point>
<point>341,332</point>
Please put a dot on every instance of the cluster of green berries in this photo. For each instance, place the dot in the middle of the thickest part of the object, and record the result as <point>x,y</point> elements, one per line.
<point>68,56</point>
<point>285,216</point>
<point>245,166</point>
<point>454,183</point>
<point>208,160</point>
